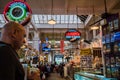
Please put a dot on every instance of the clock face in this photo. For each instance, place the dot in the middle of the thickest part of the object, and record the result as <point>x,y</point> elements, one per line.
<point>17,12</point>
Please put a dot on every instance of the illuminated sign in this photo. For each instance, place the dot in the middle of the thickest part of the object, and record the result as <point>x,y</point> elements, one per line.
<point>45,47</point>
<point>72,35</point>
<point>117,36</point>
<point>17,11</point>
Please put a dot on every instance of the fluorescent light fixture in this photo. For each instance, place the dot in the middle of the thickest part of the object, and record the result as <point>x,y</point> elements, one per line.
<point>94,28</point>
<point>51,21</point>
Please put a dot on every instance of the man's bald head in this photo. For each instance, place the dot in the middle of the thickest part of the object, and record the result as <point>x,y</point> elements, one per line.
<point>12,26</point>
<point>13,33</point>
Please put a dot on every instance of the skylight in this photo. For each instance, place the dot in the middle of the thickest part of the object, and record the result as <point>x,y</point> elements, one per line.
<point>37,19</point>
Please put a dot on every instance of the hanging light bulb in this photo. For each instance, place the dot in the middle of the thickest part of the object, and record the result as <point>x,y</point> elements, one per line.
<point>94,27</point>
<point>52,21</point>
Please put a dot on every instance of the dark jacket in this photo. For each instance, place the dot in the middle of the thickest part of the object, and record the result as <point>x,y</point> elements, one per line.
<point>10,67</point>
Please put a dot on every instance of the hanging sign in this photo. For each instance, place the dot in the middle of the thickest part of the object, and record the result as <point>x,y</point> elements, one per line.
<point>72,35</point>
<point>17,11</point>
<point>85,52</point>
<point>45,46</point>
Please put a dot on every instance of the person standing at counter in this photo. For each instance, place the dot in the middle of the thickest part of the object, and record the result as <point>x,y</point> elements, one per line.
<point>12,38</point>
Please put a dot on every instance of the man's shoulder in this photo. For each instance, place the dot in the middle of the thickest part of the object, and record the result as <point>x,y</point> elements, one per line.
<point>4,46</point>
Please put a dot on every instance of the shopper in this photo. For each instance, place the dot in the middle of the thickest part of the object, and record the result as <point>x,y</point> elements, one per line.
<point>12,38</point>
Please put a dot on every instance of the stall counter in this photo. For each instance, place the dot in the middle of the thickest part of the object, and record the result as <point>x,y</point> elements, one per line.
<point>90,76</point>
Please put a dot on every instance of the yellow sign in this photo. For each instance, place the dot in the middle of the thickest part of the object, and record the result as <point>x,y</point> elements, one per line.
<point>85,52</point>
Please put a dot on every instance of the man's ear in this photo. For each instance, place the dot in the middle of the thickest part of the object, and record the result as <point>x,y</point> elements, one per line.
<point>13,34</point>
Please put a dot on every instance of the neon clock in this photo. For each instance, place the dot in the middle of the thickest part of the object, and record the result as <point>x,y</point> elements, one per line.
<point>72,35</point>
<point>18,11</point>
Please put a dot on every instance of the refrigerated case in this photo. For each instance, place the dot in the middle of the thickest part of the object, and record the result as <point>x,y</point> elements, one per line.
<point>90,76</point>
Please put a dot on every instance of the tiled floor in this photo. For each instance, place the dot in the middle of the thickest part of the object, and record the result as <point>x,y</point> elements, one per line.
<point>55,76</point>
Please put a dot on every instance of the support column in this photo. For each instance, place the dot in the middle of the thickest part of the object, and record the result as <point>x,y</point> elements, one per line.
<point>36,41</point>
<point>27,34</point>
<point>94,34</point>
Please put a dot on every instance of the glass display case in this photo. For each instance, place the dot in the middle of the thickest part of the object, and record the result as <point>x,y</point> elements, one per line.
<point>90,76</point>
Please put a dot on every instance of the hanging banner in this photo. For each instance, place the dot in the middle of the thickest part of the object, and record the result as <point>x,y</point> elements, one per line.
<point>61,46</point>
<point>18,11</point>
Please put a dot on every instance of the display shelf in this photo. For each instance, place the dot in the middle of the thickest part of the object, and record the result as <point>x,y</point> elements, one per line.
<point>111,46</point>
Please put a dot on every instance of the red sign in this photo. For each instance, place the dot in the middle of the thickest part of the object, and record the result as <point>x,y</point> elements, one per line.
<point>72,35</point>
<point>62,46</point>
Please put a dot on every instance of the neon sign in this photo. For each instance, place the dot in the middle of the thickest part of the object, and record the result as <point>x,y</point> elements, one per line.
<point>72,35</point>
<point>17,11</point>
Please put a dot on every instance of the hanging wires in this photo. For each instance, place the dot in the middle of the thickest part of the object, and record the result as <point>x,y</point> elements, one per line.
<point>52,9</point>
<point>53,31</point>
<point>93,12</point>
<point>77,15</point>
<point>68,16</point>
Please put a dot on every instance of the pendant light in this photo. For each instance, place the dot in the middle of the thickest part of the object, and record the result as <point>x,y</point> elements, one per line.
<point>94,27</point>
<point>52,21</point>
